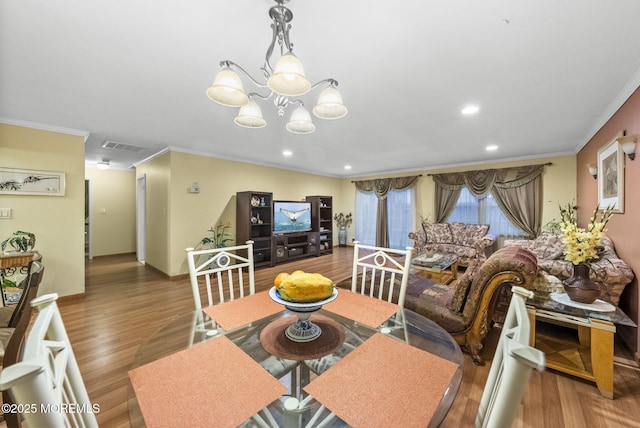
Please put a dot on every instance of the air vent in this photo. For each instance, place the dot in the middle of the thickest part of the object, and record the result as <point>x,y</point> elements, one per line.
<point>114,145</point>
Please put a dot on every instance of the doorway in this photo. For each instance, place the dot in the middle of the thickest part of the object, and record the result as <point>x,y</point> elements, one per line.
<point>141,219</point>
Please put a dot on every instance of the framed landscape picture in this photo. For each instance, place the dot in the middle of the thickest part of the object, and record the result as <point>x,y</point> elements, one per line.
<point>611,176</point>
<point>31,182</point>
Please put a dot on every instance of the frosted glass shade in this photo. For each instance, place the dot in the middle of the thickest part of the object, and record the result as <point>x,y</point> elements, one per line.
<point>227,89</point>
<point>288,77</point>
<point>330,105</point>
<point>300,122</point>
<point>250,116</point>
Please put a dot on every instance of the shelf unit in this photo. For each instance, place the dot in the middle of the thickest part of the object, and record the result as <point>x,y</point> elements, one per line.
<point>291,246</point>
<point>254,217</point>
<point>322,221</point>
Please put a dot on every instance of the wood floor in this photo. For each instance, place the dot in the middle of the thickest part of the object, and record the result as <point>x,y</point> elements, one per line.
<point>126,301</point>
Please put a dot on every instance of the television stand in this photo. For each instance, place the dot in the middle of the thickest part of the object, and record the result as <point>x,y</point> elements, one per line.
<point>287,247</point>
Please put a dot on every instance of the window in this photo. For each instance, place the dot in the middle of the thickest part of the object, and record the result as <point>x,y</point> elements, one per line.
<point>470,209</point>
<point>401,217</point>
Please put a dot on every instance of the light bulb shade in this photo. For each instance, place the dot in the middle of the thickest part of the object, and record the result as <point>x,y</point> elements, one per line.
<point>330,105</point>
<point>300,122</point>
<point>227,89</point>
<point>103,165</point>
<point>288,77</point>
<point>629,147</point>
<point>250,116</point>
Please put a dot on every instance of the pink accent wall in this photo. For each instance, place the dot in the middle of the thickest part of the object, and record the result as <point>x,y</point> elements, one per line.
<point>624,229</point>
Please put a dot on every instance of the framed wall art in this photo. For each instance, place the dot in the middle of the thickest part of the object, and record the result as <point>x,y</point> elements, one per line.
<point>611,176</point>
<point>31,182</point>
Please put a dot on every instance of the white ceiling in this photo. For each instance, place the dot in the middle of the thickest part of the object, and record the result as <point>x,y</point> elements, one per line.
<point>546,74</point>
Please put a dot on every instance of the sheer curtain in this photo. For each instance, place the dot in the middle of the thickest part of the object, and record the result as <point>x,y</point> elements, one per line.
<point>402,217</point>
<point>365,218</point>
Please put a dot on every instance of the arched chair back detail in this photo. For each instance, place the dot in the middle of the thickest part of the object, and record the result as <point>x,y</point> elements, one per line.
<point>512,364</point>
<point>381,273</point>
<point>47,380</point>
<point>227,271</point>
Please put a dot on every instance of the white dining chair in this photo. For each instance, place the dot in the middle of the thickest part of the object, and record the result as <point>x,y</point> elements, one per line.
<point>47,380</point>
<point>381,273</point>
<point>228,269</point>
<point>512,364</point>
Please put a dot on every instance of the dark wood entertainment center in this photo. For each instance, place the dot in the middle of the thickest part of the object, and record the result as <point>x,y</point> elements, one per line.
<point>254,221</point>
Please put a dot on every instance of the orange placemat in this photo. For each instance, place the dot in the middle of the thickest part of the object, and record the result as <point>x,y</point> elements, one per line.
<point>363,309</point>
<point>213,383</point>
<point>403,384</point>
<point>245,310</point>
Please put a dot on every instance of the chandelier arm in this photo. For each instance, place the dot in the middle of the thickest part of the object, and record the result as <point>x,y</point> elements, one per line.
<point>267,65</point>
<point>233,65</point>
<point>330,81</point>
<point>257,95</point>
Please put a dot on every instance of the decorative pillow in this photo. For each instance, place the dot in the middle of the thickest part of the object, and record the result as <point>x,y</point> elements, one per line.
<point>473,233</point>
<point>464,285</point>
<point>438,233</point>
<point>458,232</point>
<point>548,246</point>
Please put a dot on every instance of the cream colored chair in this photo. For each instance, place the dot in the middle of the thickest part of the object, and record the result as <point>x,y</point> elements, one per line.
<point>46,381</point>
<point>381,273</point>
<point>227,271</point>
<point>512,364</point>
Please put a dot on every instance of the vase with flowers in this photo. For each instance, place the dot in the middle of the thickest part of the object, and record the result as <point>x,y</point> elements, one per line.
<point>581,248</point>
<point>343,221</point>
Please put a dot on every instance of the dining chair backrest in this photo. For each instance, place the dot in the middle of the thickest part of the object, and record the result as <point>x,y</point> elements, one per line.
<point>381,273</point>
<point>228,269</point>
<point>47,380</point>
<point>512,364</point>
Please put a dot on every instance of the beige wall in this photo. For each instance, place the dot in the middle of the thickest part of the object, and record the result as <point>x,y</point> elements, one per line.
<point>112,211</point>
<point>58,222</point>
<point>177,219</point>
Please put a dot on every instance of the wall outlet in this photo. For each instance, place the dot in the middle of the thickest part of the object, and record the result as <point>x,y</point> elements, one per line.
<point>5,213</point>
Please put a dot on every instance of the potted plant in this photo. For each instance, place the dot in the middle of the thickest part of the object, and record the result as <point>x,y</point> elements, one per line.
<point>343,221</point>
<point>219,236</point>
<point>22,242</point>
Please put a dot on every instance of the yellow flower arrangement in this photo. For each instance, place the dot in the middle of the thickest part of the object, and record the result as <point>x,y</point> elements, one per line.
<point>580,245</point>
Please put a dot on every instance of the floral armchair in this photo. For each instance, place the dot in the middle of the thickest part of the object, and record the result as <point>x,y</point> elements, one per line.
<point>609,269</point>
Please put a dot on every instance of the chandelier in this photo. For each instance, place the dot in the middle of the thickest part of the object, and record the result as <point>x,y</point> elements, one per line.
<point>285,82</point>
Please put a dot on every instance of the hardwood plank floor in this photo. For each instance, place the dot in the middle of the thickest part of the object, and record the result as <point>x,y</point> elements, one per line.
<point>126,301</point>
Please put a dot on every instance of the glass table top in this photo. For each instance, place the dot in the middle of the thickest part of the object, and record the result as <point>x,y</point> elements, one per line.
<point>405,326</point>
<point>543,301</point>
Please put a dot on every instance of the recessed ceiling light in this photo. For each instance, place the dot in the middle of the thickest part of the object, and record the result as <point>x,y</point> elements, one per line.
<point>470,109</point>
<point>347,167</point>
<point>491,148</point>
<point>287,153</point>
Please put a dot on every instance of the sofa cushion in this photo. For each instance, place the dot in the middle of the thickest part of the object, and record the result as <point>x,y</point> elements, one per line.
<point>438,233</point>
<point>548,246</point>
<point>458,233</point>
<point>473,233</point>
<point>462,287</point>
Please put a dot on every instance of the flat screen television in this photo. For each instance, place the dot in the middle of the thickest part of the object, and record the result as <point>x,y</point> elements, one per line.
<point>291,216</point>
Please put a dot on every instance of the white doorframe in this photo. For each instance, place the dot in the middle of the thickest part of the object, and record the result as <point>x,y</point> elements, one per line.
<point>88,221</point>
<point>141,218</point>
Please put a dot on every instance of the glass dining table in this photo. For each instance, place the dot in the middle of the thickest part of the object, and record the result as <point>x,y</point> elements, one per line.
<point>301,368</point>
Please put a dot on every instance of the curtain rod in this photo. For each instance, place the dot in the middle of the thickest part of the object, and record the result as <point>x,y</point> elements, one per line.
<point>543,164</point>
<point>419,175</point>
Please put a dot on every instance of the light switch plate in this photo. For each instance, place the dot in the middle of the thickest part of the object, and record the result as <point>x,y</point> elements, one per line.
<point>5,213</point>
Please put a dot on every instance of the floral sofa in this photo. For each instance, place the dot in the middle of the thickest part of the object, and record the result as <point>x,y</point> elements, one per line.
<point>467,241</point>
<point>610,270</point>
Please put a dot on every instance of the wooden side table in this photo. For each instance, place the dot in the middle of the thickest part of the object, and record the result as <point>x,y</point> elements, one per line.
<point>441,268</point>
<point>590,357</point>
